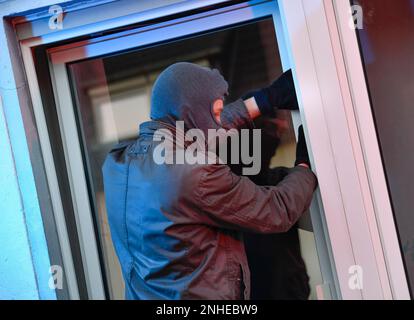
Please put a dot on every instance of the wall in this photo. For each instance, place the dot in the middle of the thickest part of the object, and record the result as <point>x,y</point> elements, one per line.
<point>24,257</point>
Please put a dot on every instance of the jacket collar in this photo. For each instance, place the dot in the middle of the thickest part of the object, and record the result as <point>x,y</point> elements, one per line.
<point>149,127</point>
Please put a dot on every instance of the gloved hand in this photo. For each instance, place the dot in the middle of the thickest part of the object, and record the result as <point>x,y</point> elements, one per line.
<point>302,155</point>
<point>279,95</point>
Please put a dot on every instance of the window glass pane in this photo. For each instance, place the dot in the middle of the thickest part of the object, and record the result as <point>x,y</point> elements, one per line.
<point>112,97</point>
<point>387,46</point>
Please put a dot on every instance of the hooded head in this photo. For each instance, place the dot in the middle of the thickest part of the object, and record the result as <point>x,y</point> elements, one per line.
<point>186,92</point>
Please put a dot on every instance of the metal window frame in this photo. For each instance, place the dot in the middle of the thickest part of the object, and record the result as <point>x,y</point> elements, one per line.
<point>304,25</point>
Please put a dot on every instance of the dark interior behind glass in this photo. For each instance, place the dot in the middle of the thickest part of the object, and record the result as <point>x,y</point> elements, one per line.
<point>387,46</point>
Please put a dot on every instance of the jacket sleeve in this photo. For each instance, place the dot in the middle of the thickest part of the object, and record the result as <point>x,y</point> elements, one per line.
<point>275,175</point>
<point>231,201</point>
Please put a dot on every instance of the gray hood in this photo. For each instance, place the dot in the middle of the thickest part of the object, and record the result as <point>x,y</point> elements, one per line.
<point>186,91</point>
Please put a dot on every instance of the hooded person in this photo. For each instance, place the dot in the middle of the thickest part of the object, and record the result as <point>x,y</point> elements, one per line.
<point>176,228</point>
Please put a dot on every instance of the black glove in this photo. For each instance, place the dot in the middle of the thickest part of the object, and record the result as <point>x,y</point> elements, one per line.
<point>279,95</point>
<point>236,116</point>
<point>302,155</point>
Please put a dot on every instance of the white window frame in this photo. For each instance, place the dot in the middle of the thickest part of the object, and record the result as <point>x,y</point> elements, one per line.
<point>347,233</point>
<point>359,107</point>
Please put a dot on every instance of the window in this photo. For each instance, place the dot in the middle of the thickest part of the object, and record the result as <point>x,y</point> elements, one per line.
<point>112,96</point>
<point>80,105</point>
<point>387,47</point>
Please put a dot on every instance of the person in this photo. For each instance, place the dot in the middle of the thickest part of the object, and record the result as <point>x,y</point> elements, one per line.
<point>277,269</point>
<point>177,228</point>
